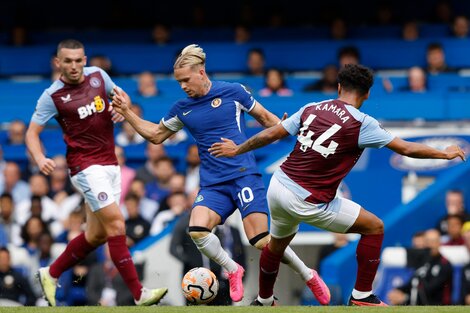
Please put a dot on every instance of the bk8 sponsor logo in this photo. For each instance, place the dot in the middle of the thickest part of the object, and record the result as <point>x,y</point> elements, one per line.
<point>97,106</point>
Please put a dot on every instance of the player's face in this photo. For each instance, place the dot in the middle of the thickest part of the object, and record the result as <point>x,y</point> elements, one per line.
<point>191,80</point>
<point>71,63</point>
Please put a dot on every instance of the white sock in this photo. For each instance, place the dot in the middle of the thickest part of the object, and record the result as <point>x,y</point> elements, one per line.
<point>267,301</point>
<point>292,260</point>
<point>210,246</point>
<point>360,294</point>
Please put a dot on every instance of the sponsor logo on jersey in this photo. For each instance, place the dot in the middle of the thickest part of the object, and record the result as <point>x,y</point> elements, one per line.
<point>97,106</point>
<point>199,198</point>
<point>216,102</point>
<point>95,82</point>
<point>66,99</point>
<point>405,163</point>
<point>102,196</point>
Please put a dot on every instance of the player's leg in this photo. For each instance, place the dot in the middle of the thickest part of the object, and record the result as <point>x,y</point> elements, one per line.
<point>208,212</point>
<point>351,218</point>
<point>368,253</point>
<point>254,213</point>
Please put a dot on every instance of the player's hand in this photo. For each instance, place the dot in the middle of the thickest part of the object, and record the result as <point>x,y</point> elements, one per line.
<point>455,151</point>
<point>46,166</point>
<point>115,116</point>
<point>226,148</point>
<point>120,101</point>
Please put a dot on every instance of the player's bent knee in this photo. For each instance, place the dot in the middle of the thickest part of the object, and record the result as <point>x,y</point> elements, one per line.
<point>260,241</point>
<point>198,232</point>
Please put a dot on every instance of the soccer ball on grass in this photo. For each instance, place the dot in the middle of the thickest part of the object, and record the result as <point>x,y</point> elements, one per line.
<point>200,286</point>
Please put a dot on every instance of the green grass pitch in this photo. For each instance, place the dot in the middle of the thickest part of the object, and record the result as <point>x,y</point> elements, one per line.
<point>235,309</point>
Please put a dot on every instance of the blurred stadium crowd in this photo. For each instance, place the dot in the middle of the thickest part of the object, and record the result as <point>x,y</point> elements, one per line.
<point>39,214</point>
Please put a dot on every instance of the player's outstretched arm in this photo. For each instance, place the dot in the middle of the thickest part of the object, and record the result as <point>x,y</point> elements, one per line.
<point>265,117</point>
<point>155,133</point>
<point>227,148</point>
<point>421,151</point>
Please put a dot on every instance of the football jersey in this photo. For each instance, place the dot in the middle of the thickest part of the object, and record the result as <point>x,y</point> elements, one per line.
<point>218,114</point>
<point>331,136</point>
<point>82,112</point>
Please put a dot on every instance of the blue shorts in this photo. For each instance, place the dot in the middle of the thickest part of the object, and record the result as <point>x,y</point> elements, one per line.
<point>247,193</point>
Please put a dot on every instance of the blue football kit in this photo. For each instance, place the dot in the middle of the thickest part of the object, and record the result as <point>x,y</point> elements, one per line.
<point>226,183</point>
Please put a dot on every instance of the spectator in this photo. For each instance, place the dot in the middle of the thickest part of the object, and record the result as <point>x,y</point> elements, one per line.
<point>465,289</point>
<point>137,227</point>
<point>443,12</point>
<point>158,189</point>
<point>417,80</point>
<point>242,34</point>
<point>460,26</point>
<point>16,133</point>
<point>436,60</point>
<point>17,188</point>
<point>127,135</point>
<point>73,226</point>
<point>31,231</point>
<point>161,34</point>
<point>103,62</point>
<point>55,71</point>
<point>152,153</point>
<point>256,62</point>
<point>177,204</point>
<point>339,240</point>
<point>13,286</point>
<point>147,207</point>
<point>147,85</point>
<point>454,231</point>
<point>184,250</point>
<point>7,220</point>
<point>419,240</point>
<point>348,55</point>
<point>328,83</point>
<point>275,84</point>
<point>3,164</point>
<point>127,173</point>
<point>431,284</point>
<point>455,204</point>
<point>338,29</point>
<point>410,31</point>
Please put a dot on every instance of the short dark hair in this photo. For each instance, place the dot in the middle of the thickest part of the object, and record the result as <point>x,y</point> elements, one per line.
<point>354,77</point>
<point>70,44</point>
<point>434,46</point>
<point>6,195</point>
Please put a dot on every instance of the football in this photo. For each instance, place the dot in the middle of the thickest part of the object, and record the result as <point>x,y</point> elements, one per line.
<point>200,286</point>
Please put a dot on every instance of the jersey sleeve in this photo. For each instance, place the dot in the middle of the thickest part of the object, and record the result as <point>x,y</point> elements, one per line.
<point>108,82</point>
<point>292,124</point>
<point>373,135</point>
<point>171,120</point>
<point>245,98</point>
<point>45,109</point>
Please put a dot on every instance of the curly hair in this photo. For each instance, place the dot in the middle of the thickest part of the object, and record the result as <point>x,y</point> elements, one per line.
<point>356,78</point>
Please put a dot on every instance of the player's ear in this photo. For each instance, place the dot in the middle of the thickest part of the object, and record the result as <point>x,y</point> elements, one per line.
<point>339,89</point>
<point>84,60</point>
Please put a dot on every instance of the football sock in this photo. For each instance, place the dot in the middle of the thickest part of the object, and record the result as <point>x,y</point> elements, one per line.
<point>360,294</point>
<point>368,260</point>
<point>268,270</point>
<point>77,249</point>
<point>210,246</point>
<point>291,259</point>
<point>123,261</point>
<point>267,301</point>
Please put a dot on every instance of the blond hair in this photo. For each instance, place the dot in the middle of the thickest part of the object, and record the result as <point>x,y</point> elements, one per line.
<point>191,55</point>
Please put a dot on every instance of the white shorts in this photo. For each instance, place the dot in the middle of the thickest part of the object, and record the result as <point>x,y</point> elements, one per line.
<point>100,185</point>
<point>288,211</point>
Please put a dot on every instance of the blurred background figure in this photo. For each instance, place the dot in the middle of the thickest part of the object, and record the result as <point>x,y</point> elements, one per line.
<point>275,84</point>
<point>410,31</point>
<point>147,85</point>
<point>454,205</point>
<point>255,62</point>
<point>127,173</point>
<point>242,34</point>
<point>103,62</point>
<point>137,227</point>
<point>460,27</point>
<point>13,285</point>
<point>348,55</point>
<point>338,29</point>
<point>465,292</point>
<point>13,184</point>
<point>16,133</point>
<point>431,283</point>
<point>161,34</point>
<point>152,154</point>
<point>328,83</point>
<point>436,59</point>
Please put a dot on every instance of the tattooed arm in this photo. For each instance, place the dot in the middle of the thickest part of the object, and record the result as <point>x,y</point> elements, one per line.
<point>227,148</point>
